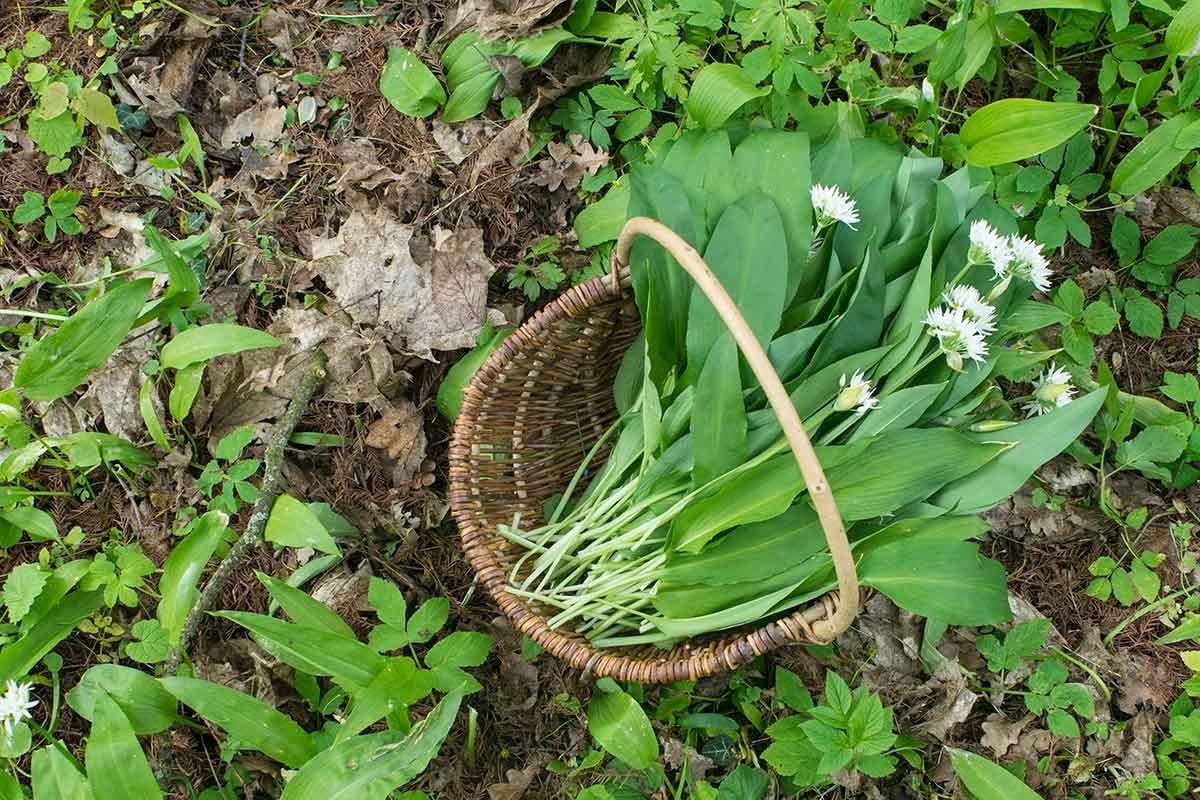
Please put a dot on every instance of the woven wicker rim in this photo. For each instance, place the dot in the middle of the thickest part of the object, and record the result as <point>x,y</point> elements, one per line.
<point>819,622</point>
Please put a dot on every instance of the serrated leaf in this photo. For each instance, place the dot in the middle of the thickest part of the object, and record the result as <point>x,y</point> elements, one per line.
<point>21,588</point>
<point>1144,316</point>
<point>1100,318</point>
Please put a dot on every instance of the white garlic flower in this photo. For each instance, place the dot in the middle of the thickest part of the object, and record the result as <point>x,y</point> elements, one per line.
<point>832,205</point>
<point>974,307</point>
<point>1028,263</point>
<point>14,705</point>
<point>856,394</point>
<point>1052,389</point>
<point>988,246</point>
<point>958,336</point>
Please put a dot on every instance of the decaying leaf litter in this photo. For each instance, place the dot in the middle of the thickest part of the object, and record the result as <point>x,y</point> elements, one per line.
<point>376,237</point>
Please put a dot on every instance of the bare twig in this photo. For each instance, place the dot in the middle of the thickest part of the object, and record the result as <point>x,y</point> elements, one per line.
<point>244,546</point>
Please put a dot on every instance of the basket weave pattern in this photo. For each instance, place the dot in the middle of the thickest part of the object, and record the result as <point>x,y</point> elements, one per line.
<point>528,417</point>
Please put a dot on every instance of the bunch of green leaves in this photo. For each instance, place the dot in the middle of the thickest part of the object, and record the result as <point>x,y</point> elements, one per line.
<point>723,532</point>
<point>1049,693</point>
<point>538,270</point>
<point>225,480</point>
<point>1126,584</point>
<point>363,687</point>
<point>58,210</point>
<point>848,730</point>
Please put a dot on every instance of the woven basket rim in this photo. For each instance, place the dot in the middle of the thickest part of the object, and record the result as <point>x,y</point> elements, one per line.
<point>737,646</point>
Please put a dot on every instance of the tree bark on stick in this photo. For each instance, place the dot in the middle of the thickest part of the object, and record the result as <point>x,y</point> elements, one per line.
<point>314,374</point>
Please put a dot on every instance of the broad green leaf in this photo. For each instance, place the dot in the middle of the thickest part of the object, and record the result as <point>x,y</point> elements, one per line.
<point>183,392</point>
<point>145,703</point>
<point>150,415</point>
<point>205,342</point>
<point>1030,316</point>
<point>408,84</point>
<point>1154,156</point>
<point>388,601</point>
<point>17,658</point>
<point>988,780</point>
<point>602,221</point>
<point>1183,34</point>
<point>182,569</point>
<point>777,163</point>
<point>58,363</point>
<point>1016,128</point>
<point>1145,317</point>
<point>56,778</point>
<point>470,76</point>
<point>450,392</point>
<point>898,410</point>
<point>621,727</point>
<point>1188,629</point>
<point>744,783</point>
<point>719,420</point>
<point>304,609</point>
<point>116,765</point>
<point>37,523</point>
<point>96,108</point>
<point>1037,440</point>
<point>1010,6</point>
<point>184,285</point>
<point>310,650</point>
<point>9,788</point>
<point>247,719</point>
<point>939,578</point>
<point>291,524</point>
<point>718,90</point>
<point>371,767</point>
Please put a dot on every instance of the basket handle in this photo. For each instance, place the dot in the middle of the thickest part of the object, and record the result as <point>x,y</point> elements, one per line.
<point>846,608</point>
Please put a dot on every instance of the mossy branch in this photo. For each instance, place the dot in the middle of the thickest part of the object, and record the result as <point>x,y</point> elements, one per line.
<point>314,374</point>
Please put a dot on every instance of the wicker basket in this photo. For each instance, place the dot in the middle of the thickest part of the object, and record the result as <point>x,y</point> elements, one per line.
<point>543,399</point>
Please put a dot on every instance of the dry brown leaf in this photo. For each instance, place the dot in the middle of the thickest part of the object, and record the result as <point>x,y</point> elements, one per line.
<point>263,121</point>
<point>281,29</point>
<point>458,142</point>
<point>516,783</point>
<point>511,19</point>
<point>113,391</point>
<point>510,144</point>
<point>953,709</point>
<point>434,301</point>
<point>999,734</point>
<point>566,165</point>
<point>117,154</point>
<point>401,432</point>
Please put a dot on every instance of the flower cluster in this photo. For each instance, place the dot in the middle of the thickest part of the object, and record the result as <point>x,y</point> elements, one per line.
<point>14,706</point>
<point>856,394</point>
<point>1009,256</point>
<point>832,205</point>
<point>962,325</point>
<point>1051,390</point>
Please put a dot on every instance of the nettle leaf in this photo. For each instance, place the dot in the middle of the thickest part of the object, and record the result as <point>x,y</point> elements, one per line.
<point>408,84</point>
<point>1174,243</point>
<point>1100,318</point>
<point>22,587</point>
<point>1155,444</point>
<point>1126,239</point>
<point>1144,316</point>
<point>1180,387</point>
<point>1012,129</point>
